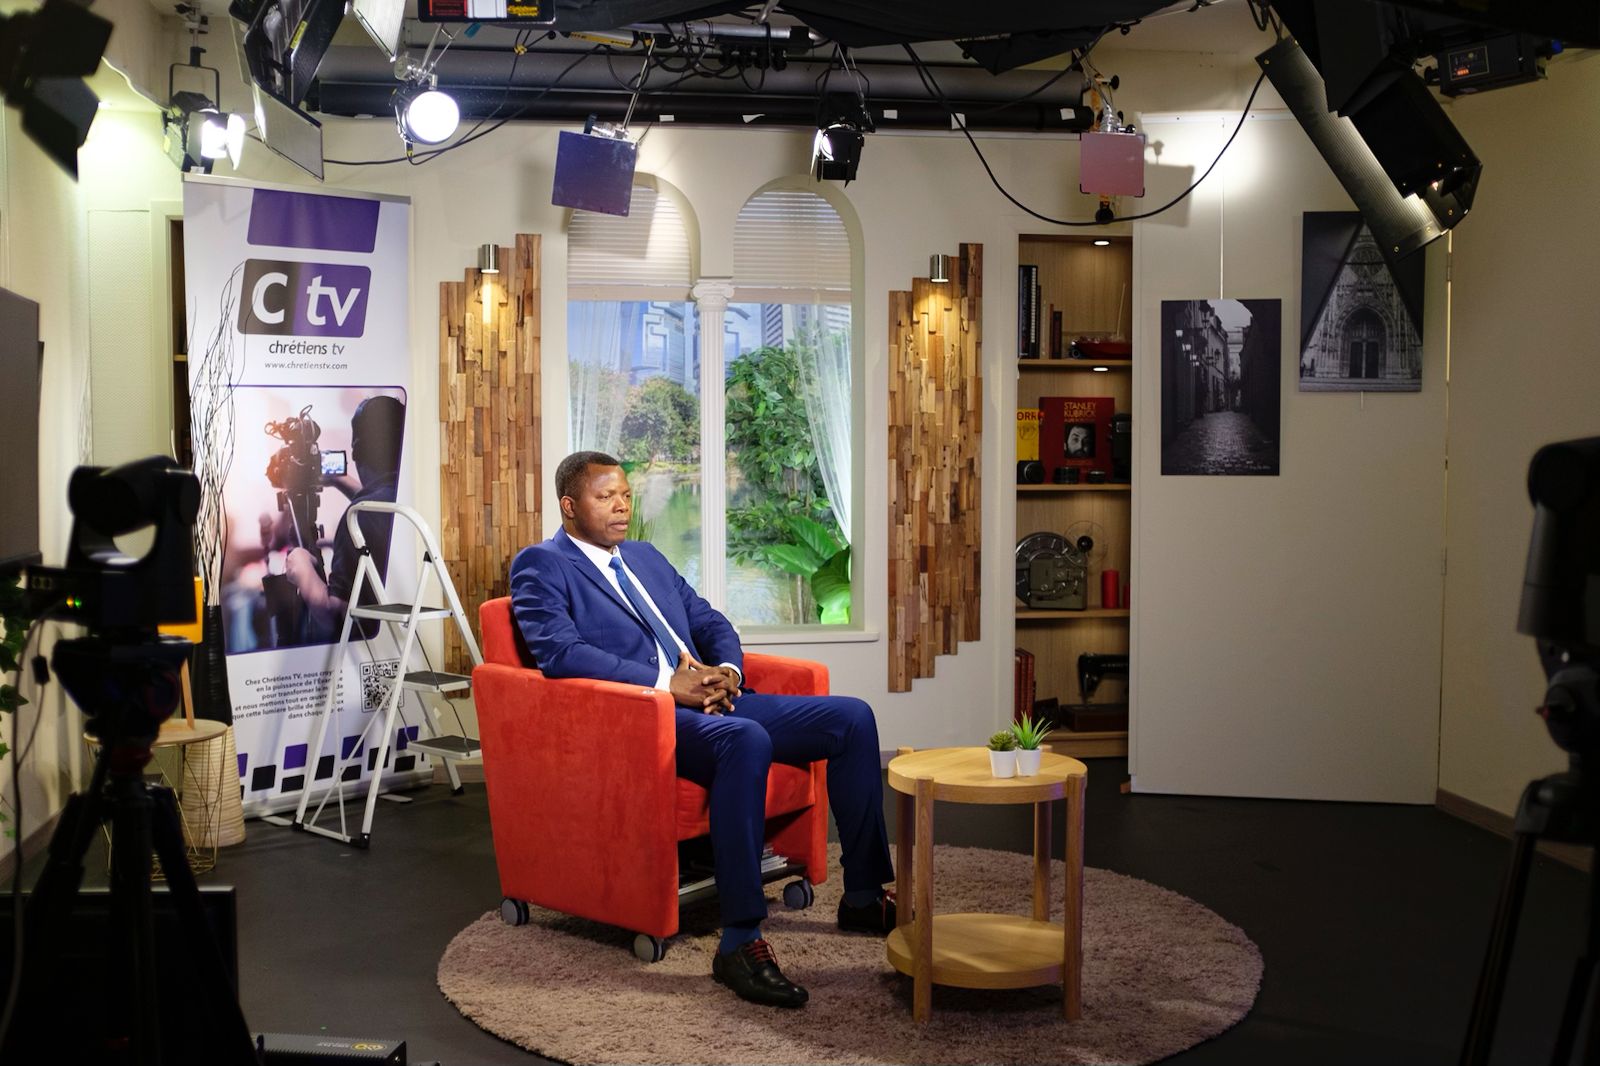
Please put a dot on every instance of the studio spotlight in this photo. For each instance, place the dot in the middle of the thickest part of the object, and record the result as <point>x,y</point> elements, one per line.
<point>424,114</point>
<point>842,125</point>
<point>44,57</point>
<point>194,130</point>
<point>196,134</point>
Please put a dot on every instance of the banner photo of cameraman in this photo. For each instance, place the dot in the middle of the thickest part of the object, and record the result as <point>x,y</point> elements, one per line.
<point>287,575</point>
<point>299,311</point>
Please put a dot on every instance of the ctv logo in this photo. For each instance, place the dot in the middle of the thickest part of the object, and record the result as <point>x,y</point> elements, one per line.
<point>305,299</point>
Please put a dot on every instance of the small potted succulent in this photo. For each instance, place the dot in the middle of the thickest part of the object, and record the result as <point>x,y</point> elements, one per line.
<point>1029,735</point>
<point>1003,754</point>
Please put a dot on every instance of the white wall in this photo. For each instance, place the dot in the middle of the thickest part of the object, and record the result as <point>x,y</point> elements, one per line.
<point>1286,636</point>
<point>47,226</point>
<point>1524,372</point>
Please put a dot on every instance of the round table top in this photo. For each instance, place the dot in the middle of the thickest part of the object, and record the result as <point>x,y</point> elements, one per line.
<point>962,775</point>
<point>177,732</point>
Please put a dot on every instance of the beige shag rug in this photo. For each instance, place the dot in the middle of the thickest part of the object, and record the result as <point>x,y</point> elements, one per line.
<point>1161,973</point>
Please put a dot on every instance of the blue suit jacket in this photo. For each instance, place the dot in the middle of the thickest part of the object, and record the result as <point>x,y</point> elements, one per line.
<point>576,625</point>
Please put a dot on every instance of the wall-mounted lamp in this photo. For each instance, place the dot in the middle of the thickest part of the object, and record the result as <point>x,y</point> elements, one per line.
<point>488,267</point>
<point>939,268</point>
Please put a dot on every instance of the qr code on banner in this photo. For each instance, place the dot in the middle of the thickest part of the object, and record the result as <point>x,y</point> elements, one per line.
<point>375,681</point>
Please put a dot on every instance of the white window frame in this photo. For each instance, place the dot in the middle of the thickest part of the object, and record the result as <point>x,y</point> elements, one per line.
<point>711,296</point>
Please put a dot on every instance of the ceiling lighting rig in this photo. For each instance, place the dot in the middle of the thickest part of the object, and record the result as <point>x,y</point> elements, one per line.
<point>423,113</point>
<point>195,131</point>
<point>843,121</point>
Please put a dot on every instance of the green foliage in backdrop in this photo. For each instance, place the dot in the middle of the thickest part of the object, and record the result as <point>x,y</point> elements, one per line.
<point>780,516</point>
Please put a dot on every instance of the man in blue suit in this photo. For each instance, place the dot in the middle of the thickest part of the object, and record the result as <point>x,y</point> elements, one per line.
<point>591,603</point>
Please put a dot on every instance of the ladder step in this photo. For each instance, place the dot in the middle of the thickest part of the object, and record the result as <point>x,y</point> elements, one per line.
<point>397,612</point>
<point>436,681</point>
<point>447,747</point>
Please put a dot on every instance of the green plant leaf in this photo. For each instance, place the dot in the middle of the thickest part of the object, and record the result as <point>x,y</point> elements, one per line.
<point>794,559</point>
<point>830,587</point>
<point>814,535</point>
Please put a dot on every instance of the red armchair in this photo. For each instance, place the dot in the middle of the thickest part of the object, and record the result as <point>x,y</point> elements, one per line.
<point>585,804</point>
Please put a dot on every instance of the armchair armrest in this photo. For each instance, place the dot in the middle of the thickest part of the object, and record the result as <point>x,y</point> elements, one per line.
<point>780,675</point>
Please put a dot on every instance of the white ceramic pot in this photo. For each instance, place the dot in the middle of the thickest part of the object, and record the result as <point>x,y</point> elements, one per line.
<point>1003,763</point>
<point>1028,762</point>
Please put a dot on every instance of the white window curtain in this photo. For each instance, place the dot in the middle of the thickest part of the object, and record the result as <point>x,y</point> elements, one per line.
<point>597,385</point>
<point>791,248</point>
<point>611,261</point>
<point>825,387</point>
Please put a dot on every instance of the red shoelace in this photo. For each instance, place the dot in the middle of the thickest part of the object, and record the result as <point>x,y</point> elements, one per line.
<point>760,951</point>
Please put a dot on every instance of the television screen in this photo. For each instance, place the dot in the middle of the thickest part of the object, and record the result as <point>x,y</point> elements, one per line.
<point>20,359</point>
<point>520,12</point>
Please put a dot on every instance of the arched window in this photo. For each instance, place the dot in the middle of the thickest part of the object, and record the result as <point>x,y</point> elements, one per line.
<point>790,430</point>
<point>633,359</point>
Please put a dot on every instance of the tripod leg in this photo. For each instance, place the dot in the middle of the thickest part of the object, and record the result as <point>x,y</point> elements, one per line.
<point>230,1043</point>
<point>48,908</point>
<point>132,918</point>
<point>1502,936</point>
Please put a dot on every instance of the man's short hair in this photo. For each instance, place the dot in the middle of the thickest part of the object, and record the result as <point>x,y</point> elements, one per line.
<point>569,475</point>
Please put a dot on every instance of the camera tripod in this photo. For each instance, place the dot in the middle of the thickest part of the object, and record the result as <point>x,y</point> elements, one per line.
<point>127,687</point>
<point>1563,808</point>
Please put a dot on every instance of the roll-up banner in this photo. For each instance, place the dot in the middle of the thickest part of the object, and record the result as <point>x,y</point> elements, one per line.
<point>299,351</point>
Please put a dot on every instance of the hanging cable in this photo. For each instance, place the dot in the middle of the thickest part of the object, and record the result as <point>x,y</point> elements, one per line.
<point>436,152</point>
<point>934,90</point>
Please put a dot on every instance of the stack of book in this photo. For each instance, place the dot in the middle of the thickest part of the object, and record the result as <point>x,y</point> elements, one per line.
<point>1027,311</point>
<point>1025,686</point>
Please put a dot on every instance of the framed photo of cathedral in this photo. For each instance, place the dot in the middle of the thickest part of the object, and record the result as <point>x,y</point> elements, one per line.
<point>1360,313</point>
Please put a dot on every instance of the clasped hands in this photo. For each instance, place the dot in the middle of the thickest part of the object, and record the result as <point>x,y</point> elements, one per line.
<point>709,689</point>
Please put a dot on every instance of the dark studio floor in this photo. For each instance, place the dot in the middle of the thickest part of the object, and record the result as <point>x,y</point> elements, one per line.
<point>1372,920</point>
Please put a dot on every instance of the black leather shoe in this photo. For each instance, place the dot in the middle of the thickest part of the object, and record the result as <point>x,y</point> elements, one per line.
<point>752,971</point>
<point>876,918</point>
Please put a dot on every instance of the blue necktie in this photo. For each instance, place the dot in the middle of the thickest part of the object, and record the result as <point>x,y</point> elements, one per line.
<point>664,636</point>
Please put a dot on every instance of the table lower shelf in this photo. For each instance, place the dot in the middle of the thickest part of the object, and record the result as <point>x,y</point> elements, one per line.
<point>986,951</point>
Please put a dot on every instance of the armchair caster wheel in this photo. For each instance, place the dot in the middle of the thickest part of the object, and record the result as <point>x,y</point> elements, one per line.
<point>798,895</point>
<point>649,948</point>
<point>514,911</point>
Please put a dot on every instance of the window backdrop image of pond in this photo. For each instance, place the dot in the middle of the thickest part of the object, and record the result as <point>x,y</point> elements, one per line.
<point>666,512</point>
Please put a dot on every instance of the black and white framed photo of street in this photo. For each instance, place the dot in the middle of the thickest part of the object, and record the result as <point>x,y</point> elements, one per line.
<point>1360,313</point>
<point>1220,372</point>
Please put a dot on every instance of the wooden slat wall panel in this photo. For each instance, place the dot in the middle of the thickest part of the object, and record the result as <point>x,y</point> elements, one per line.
<point>489,477</point>
<point>935,437</point>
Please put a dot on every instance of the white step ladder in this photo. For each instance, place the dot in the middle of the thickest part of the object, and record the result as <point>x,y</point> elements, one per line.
<point>427,684</point>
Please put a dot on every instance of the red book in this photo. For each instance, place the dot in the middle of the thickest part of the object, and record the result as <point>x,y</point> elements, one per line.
<point>1075,431</point>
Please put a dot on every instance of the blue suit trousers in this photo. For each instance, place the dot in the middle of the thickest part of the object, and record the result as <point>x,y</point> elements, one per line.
<point>729,755</point>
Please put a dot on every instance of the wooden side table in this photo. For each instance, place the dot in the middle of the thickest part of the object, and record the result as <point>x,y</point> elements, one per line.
<point>200,841</point>
<point>986,950</point>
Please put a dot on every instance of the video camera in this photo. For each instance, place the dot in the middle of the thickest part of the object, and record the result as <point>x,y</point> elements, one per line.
<point>101,587</point>
<point>296,471</point>
<point>1560,607</point>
